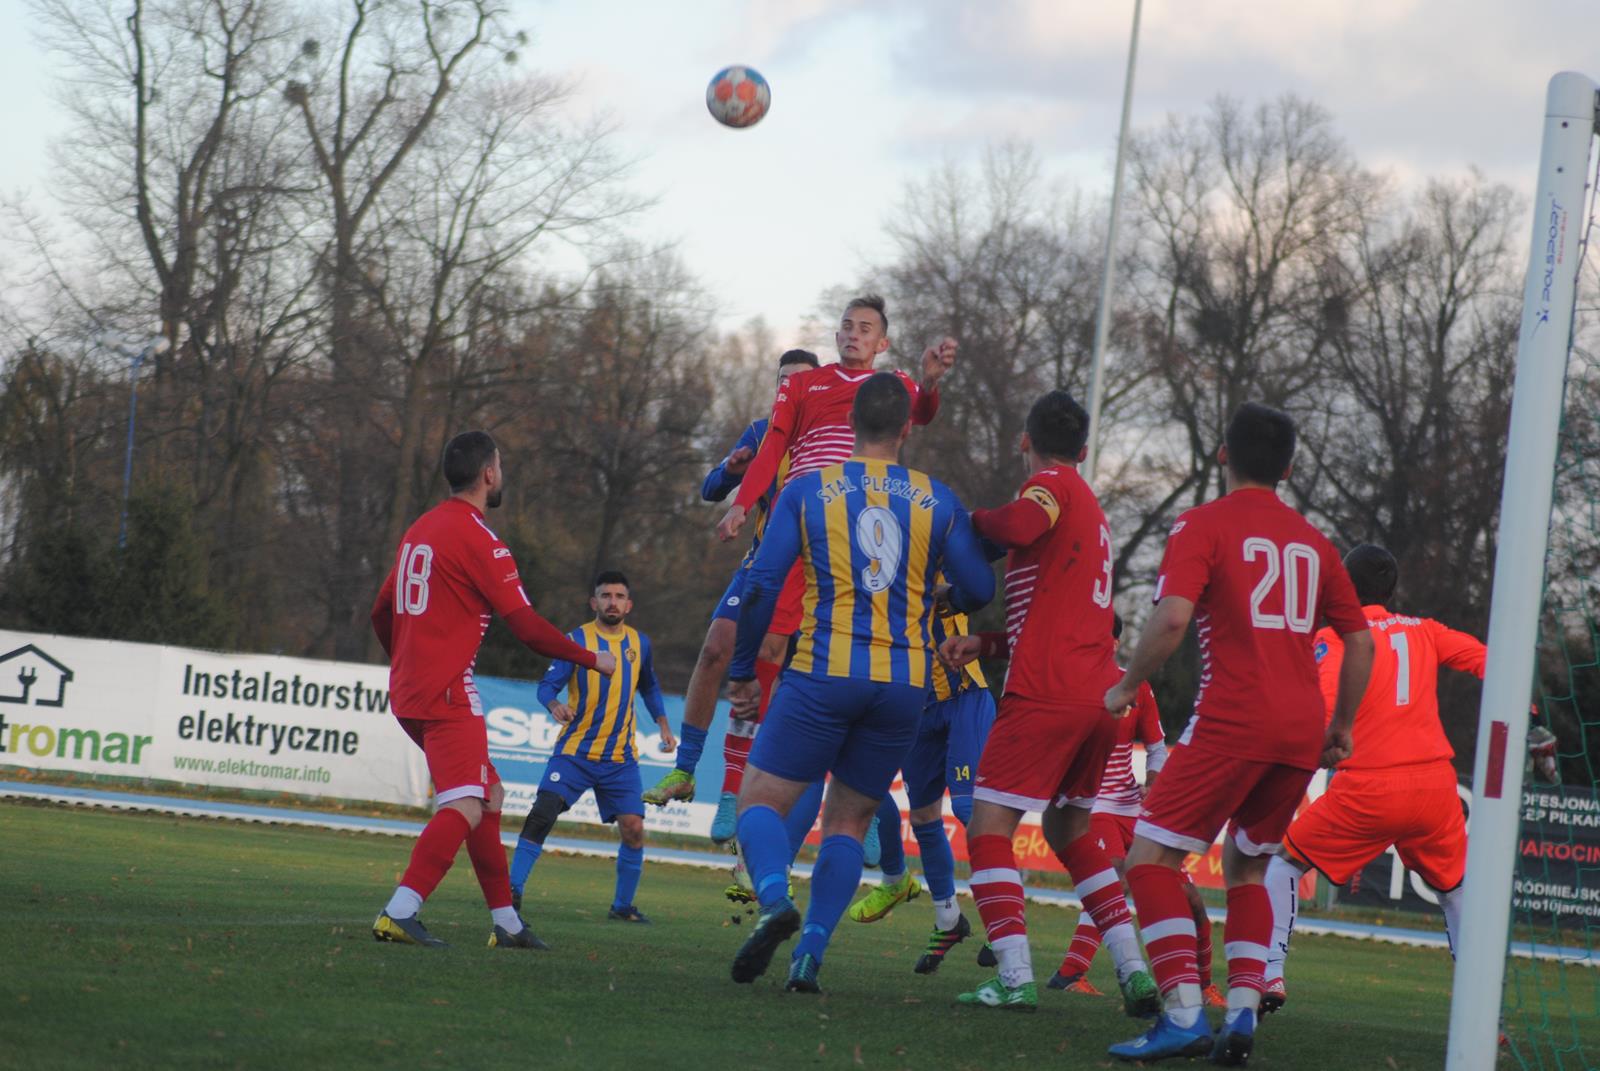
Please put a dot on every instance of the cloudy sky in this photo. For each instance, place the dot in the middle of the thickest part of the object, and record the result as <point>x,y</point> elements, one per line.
<point>868,94</point>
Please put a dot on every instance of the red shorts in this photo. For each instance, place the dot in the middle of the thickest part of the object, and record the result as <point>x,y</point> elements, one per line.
<point>1039,752</point>
<point>1199,792</point>
<point>791,604</point>
<point>1415,808</point>
<point>457,749</point>
<point>1113,832</point>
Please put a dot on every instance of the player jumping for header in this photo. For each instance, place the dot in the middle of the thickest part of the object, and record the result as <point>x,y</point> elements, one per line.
<point>870,536</point>
<point>449,574</point>
<point>596,747</point>
<point>1255,577</point>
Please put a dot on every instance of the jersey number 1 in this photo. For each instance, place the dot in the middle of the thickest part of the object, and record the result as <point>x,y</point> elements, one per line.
<point>411,579</point>
<point>1287,564</point>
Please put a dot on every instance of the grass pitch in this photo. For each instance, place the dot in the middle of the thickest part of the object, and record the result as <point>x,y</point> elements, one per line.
<point>143,941</point>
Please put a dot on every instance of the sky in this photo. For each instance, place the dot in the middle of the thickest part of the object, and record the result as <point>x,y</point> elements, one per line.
<point>868,95</point>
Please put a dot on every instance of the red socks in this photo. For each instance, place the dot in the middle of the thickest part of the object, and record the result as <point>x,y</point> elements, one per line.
<point>741,734</point>
<point>997,887</point>
<point>1096,882</point>
<point>1246,935</point>
<point>1085,943</point>
<point>435,851</point>
<point>1167,924</point>
<point>488,857</point>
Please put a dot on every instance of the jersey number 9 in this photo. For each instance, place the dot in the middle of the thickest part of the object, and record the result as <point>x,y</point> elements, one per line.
<point>411,579</point>
<point>878,534</point>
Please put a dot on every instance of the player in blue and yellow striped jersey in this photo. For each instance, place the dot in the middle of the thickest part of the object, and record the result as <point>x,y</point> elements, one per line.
<point>950,739</point>
<point>596,749</point>
<point>871,537</point>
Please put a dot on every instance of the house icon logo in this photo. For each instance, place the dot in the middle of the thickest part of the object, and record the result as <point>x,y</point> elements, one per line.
<point>28,676</point>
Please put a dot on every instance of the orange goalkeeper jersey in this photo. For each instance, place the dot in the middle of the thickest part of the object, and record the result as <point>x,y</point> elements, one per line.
<point>1397,723</point>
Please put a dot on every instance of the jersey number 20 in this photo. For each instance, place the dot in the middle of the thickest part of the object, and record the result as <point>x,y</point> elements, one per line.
<point>878,534</point>
<point>411,579</point>
<point>1299,591</point>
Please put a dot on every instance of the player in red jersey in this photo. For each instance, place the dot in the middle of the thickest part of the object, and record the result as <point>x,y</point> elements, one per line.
<point>1398,786</point>
<point>810,424</point>
<point>1111,824</point>
<point>449,574</point>
<point>1051,738</point>
<point>1256,578</point>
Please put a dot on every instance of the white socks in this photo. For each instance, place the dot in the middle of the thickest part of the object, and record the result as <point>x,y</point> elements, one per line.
<point>946,913</point>
<point>1123,943</point>
<point>404,903</point>
<point>1452,902</point>
<point>506,918</point>
<point>1182,1004</point>
<point>1283,891</point>
<point>1016,962</point>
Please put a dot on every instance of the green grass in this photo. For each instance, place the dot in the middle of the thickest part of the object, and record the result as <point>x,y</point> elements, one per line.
<point>144,941</point>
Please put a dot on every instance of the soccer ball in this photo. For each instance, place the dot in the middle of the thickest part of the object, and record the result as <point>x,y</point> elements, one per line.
<point>738,96</point>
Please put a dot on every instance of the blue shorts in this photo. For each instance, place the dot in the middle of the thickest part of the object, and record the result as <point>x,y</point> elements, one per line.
<point>857,730</point>
<point>617,787</point>
<point>733,598</point>
<point>950,738</point>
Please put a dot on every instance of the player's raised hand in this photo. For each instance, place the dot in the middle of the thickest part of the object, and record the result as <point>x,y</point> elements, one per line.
<point>738,461</point>
<point>731,522</point>
<point>605,663</point>
<point>937,360</point>
<point>1119,697</point>
<point>957,651</point>
<point>561,712</point>
<point>746,698</point>
<point>1335,746</point>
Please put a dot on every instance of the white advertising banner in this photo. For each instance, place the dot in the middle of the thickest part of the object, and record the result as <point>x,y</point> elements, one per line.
<point>202,717</point>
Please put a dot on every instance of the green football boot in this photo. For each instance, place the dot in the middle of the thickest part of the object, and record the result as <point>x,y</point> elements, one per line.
<point>677,785</point>
<point>1140,997</point>
<point>880,901</point>
<point>996,994</point>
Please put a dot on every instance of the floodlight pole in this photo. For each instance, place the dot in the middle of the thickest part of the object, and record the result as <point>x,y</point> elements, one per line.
<point>1102,325</point>
<point>1519,571</point>
<point>156,345</point>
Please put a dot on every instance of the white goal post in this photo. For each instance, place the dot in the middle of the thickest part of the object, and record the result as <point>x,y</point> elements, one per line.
<point>1525,500</point>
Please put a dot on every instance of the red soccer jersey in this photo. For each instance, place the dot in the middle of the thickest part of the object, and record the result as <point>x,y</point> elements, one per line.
<point>1119,790</point>
<point>1058,592</point>
<point>449,574</point>
<point>811,421</point>
<point>1262,579</point>
<point>1397,723</point>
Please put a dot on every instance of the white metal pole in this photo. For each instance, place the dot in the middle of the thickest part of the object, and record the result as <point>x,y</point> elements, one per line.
<point>1519,571</point>
<point>1102,325</point>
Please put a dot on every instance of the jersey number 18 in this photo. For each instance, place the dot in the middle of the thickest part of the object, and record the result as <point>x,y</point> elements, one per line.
<point>411,579</point>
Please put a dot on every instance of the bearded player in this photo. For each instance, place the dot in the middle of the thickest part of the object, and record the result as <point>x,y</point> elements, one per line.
<point>1399,784</point>
<point>705,682</point>
<point>449,574</point>
<point>1052,737</point>
<point>1256,578</point>
<point>810,427</point>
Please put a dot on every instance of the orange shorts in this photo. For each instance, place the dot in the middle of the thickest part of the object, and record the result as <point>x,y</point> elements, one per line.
<point>1415,808</point>
<point>791,604</point>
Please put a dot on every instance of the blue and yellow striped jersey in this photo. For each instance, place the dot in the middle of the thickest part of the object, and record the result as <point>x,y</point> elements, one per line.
<point>603,723</point>
<point>872,538</point>
<point>945,683</point>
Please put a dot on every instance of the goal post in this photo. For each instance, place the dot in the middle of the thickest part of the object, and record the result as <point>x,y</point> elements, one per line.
<point>1519,569</point>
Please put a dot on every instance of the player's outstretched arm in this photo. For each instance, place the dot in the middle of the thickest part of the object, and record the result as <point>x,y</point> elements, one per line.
<point>1458,650</point>
<point>383,614</point>
<point>721,481</point>
<point>541,637</point>
<point>966,566</point>
<point>1353,674</point>
<point>1019,522</point>
<point>764,466</point>
<point>1160,638</point>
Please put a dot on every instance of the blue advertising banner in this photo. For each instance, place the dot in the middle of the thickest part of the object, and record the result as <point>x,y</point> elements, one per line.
<point>521,735</point>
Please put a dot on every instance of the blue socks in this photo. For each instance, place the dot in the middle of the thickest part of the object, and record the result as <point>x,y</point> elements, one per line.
<point>522,861</point>
<point>690,745</point>
<point>630,864</point>
<point>962,805</point>
<point>892,857</point>
<point>802,816</point>
<point>833,883</point>
<point>938,861</point>
<point>766,853</point>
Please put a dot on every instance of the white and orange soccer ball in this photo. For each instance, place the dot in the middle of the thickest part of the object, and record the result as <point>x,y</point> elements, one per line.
<point>738,96</point>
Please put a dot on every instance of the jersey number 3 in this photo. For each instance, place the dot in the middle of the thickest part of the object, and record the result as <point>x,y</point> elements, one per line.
<point>1298,567</point>
<point>411,579</point>
<point>878,534</point>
